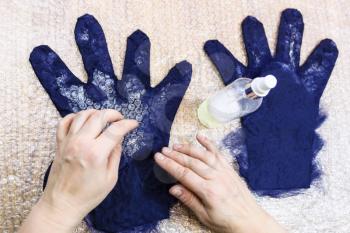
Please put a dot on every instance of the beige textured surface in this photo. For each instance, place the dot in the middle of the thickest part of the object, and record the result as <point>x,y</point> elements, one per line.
<point>177,30</point>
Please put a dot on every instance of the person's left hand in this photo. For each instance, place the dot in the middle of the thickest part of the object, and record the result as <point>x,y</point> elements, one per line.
<point>213,190</point>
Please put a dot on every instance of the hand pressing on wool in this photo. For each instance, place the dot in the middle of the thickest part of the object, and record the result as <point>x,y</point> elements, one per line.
<point>210,187</point>
<point>84,171</point>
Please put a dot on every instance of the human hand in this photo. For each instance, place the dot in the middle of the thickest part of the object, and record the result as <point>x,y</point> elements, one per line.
<point>213,190</point>
<point>85,168</point>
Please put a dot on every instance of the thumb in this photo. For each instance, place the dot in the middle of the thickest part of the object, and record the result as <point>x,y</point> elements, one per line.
<point>115,133</point>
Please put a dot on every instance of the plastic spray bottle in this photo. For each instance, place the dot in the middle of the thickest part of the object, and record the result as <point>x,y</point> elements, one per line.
<point>236,100</point>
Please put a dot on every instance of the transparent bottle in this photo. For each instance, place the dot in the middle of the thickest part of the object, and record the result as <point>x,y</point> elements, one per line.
<point>238,99</point>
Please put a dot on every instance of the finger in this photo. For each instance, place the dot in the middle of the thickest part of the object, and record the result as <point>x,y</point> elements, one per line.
<point>256,45</point>
<point>115,133</point>
<point>290,37</point>
<point>137,58</point>
<point>219,161</point>
<point>189,199</point>
<point>209,145</point>
<point>53,74</point>
<point>79,120</point>
<point>184,175</point>
<point>98,121</point>
<point>196,152</point>
<point>63,126</point>
<point>318,67</point>
<point>92,45</point>
<point>195,165</point>
<point>227,65</point>
<point>173,86</point>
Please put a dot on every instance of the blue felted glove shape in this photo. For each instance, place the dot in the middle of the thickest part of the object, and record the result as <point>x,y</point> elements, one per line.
<point>280,136</point>
<point>139,199</point>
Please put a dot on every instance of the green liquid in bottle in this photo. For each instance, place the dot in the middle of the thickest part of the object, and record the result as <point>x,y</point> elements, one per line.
<point>205,117</point>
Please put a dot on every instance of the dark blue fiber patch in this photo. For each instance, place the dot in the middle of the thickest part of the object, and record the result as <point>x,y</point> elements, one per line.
<point>280,139</point>
<point>140,199</point>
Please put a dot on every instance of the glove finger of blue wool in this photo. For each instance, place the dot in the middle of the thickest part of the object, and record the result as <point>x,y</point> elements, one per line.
<point>318,67</point>
<point>227,65</point>
<point>53,74</point>
<point>137,57</point>
<point>256,45</point>
<point>92,45</point>
<point>168,94</point>
<point>290,37</point>
<point>180,74</point>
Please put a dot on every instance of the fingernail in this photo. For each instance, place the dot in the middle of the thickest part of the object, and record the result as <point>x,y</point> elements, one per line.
<point>176,191</point>
<point>159,156</point>
<point>177,146</point>
<point>201,136</point>
<point>166,150</point>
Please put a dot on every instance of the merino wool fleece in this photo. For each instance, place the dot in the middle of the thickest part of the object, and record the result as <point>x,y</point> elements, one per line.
<point>178,31</point>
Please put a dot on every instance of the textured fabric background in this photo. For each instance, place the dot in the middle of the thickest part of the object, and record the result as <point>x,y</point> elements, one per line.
<point>177,30</point>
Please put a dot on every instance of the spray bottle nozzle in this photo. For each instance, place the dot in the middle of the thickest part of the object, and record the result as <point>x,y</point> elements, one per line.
<point>262,85</point>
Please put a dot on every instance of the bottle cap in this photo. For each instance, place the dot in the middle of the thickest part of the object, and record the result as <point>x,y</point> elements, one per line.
<point>262,85</point>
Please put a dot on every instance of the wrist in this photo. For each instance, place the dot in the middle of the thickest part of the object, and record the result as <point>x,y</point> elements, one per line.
<point>60,219</point>
<point>262,222</point>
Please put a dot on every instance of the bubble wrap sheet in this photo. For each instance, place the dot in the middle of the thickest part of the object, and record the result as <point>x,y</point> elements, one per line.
<point>177,30</point>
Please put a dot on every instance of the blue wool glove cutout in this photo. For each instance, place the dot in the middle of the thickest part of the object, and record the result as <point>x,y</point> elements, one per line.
<point>280,136</point>
<point>139,199</point>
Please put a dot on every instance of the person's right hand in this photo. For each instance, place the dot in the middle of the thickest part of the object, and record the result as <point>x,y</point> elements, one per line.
<point>213,190</point>
<point>84,171</point>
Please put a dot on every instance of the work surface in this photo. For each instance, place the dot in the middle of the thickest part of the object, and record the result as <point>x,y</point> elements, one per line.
<point>177,30</point>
